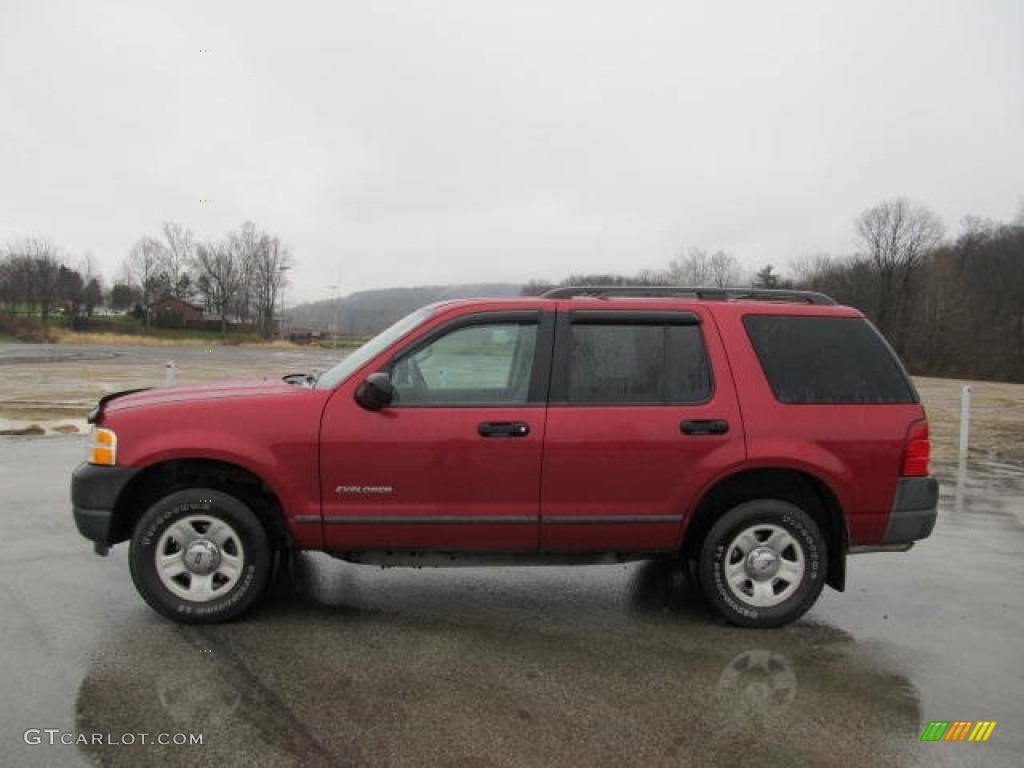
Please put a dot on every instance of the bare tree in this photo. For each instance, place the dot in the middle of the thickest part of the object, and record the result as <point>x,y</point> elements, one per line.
<point>220,270</point>
<point>245,243</point>
<point>36,267</point>
<point>699,267</point>
<point>851,280</point>
<point>16,279</point>
<point>600,278</point>
<point>895,237</point>
<point>8,291</point>
<point>270,261</point>
<point>92,295</point>
<point>806,269</point>
<point>144,265</point>
<point>651,277</point>
<point>176,253</point>
<point>992,284</point>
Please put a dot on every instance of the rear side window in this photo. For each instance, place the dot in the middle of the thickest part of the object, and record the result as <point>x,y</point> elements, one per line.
<point>827,360</point>
<point>637,363</point>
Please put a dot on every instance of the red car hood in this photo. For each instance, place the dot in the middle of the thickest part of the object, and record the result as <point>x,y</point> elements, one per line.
<point>217,390</point>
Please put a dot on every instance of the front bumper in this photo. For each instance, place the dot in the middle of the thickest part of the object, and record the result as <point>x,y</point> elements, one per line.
<point>913,511</point>
<point>94,493</point>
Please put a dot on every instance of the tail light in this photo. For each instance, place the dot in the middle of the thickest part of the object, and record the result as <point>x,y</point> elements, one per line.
<point>917,452</point>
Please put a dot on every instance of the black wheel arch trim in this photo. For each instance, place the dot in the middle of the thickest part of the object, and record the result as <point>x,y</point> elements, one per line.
<point>746,484</point>
<point>95,490</point>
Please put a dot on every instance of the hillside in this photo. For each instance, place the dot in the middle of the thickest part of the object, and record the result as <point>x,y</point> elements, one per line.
<point>367,312</point>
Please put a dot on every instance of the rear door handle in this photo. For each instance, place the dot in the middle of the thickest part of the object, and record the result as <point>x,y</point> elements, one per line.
<point>503,429</point>
<point>704,427</point>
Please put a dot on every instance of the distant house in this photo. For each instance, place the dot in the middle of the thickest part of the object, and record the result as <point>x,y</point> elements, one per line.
<point>178,311</point>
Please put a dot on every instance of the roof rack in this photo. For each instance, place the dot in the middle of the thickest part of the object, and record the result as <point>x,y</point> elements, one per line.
<point>672,291</point>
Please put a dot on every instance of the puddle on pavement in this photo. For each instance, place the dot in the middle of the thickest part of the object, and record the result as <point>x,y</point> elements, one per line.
<point>359,666</point>
<point>972,489</point>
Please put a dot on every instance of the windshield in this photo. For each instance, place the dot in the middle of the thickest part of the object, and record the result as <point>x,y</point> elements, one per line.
<point>372,348</point>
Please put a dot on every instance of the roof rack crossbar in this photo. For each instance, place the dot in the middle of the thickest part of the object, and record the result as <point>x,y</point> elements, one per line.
<point>699,292</point>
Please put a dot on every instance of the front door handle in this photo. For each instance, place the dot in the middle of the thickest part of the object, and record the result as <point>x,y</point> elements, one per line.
<point>704,427</point>
<point>503,429</point>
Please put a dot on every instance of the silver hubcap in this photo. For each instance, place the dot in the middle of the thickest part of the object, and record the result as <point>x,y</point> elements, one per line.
<point>199,558</point>
<point>764,565</point>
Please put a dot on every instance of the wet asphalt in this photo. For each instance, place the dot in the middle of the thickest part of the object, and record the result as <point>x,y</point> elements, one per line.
<point>590,666</point>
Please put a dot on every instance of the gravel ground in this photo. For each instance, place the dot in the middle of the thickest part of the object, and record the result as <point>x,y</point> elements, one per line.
<point>50,389</point>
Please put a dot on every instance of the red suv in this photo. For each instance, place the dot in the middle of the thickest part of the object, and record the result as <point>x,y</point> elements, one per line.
<point>759,436</point>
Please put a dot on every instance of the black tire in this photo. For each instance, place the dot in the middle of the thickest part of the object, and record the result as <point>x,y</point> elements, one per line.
<point>228,546</point>
<point>763,564</point>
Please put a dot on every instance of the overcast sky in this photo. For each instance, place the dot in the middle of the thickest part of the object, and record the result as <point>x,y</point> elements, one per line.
<point>400,143</point>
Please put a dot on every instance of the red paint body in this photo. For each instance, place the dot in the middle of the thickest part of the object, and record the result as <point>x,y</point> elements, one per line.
<point>329,461</point>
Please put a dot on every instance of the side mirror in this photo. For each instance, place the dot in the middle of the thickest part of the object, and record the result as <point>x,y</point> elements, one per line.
<point>375,392</point>
<point>306,380</point>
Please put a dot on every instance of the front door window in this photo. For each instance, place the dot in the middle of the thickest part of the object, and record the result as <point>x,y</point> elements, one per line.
<point>474,365</point>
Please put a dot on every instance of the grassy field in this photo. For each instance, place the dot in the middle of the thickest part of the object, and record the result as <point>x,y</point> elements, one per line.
<point>128,331</point>
<point>61,336</point>
<point>178,338</point>
<point>997,419</point>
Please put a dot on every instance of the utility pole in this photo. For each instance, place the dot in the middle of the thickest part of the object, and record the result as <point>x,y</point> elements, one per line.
<point>281,324</point>
<point>334,325</point>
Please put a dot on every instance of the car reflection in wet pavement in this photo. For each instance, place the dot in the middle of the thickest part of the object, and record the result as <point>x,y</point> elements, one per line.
<point>356,666</point>
<point>603,665</point>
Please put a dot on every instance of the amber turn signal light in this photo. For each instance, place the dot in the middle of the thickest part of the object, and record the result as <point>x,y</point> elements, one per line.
<point>102,446</point>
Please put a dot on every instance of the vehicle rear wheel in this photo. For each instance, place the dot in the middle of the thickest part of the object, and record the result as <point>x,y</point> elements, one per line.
<point>200,556</point>
<point>763,564</point>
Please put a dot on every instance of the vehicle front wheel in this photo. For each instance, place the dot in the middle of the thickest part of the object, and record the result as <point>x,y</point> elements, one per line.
<point>763,564</point>
<point>200,556</point>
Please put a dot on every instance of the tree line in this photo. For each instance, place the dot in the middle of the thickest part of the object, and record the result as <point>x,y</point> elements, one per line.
<point>949,307</point>
<point>238,279</point>
<point>693,267</point>
<point>36,280</point>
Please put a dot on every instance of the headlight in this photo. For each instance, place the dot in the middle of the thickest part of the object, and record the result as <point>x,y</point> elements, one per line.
<point>102,446</point>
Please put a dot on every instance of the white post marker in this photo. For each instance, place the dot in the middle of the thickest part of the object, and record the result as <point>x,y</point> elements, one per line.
<point>169,372</point>
<point>965,420</point>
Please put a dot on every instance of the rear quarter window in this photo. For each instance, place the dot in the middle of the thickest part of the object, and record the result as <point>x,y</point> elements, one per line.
<point>827,360</point>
